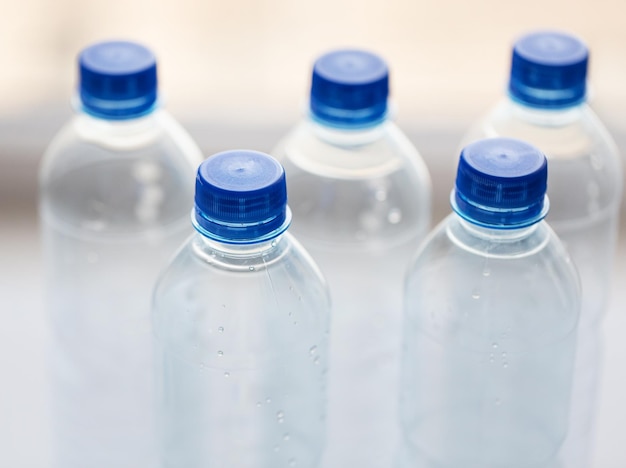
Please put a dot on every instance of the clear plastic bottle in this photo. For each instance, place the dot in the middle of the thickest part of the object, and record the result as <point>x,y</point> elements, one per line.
<point>491,308</point>
<point>361,198</point>
<point>241,319</point>
<point>114,206</point>
<point>546,107</point>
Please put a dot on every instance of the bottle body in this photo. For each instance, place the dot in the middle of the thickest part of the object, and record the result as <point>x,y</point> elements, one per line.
<point>241,337</point>
<point>114,206</point>
<point>361,203</point>
<point>584,186</point>
<point>489,347</point>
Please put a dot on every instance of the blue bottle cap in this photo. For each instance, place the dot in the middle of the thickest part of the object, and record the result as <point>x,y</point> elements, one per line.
<point>501,183</point>
<point>241,197</point>
<point>549,70</point>
<point>349,89</point>
<point>118,80</point>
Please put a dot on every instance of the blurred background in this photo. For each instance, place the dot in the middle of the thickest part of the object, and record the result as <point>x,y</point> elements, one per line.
<point>236,74</point>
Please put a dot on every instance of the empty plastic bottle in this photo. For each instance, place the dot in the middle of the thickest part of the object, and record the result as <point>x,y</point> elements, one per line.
<point>546,107</point>
<point>361,199</point>
<point>241,318</point>
<point>114,205</point>
<point>491,307</point>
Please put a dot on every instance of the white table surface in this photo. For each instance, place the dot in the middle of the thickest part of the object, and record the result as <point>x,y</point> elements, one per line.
<point>24,439</point>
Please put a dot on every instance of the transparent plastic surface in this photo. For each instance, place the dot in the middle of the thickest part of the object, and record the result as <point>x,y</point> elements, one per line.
<point>489,348</point>
<point>584,187</point>
<point>241,335</point>
<point>114,206</point>
<point>361,203</point>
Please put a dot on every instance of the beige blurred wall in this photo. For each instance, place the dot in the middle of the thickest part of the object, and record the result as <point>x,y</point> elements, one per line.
<point>248,60</point>
<point>236,72</point>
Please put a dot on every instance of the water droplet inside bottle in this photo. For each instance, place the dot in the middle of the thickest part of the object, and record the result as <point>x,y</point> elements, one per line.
<point>220,329</point>
<point>494,345</point>
<point>220,353</point>
<point>226,374</point>
<point>286,436</point>
<point>394,216</point>
<point>251,268</point>
<point>273,244</point>
<point>292,462</point>
<point>312,350</point>
<point>258,404</point>
<point>475,294</point>
<point>505,364</point>
<point>316,360</point>
<point>486,272</point>
<point>380,194</point>
<point>503,355</point>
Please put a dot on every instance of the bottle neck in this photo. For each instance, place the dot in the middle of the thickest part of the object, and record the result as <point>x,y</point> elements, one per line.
<point>131,125</point>
<point>240,250</point>
<point>497,243</point>
<point>346,136</point>
<point>239,257</point>
<point>119,134</point>
<point>498,235</point>
<point>545,117</point>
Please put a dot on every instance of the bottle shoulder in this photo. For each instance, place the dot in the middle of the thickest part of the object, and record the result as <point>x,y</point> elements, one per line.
<point>200,260</point>
<point>248,303</point>
<point>273,292</point>
<point>87,141</point>
<point>455,241</point>
<point>568,134</point>
<point>313,150</point>
<point>118,178</point>
<point>475,291</point>
<point>376,191</point>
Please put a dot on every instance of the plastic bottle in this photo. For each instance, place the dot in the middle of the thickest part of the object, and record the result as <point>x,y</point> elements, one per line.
<point>546,107</point>
<point>241,318</point>
<point>491,308</point>
<point>361,199</point>
<point>114,205</point>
